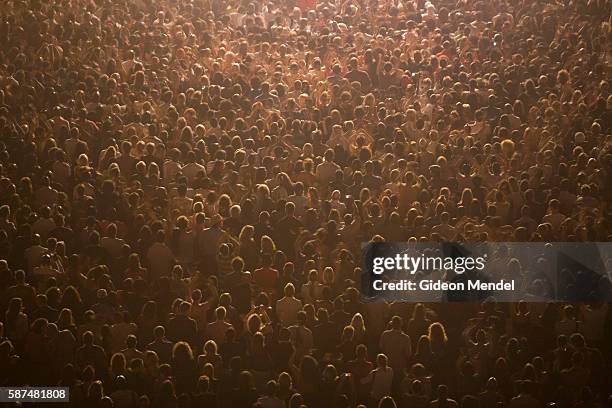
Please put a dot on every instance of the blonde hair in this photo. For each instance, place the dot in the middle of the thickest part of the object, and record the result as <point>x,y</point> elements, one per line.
<point>507,146</point>
<point>437,334</point>
<point>246,233</point>
<point>267,245</point>
<point>357,322</point>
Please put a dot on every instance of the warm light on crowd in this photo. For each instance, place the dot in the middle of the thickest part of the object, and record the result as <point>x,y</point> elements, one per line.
<point>186,186</point>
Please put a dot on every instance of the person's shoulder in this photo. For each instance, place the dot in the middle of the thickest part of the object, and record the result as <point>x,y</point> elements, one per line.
<point>283,302</point>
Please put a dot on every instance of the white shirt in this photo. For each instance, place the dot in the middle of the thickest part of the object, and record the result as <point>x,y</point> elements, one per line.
<point>171,169</point>
<point>287,309</point>
<point>381,379</point>
<point>397,347</point>
<point>311,291</point>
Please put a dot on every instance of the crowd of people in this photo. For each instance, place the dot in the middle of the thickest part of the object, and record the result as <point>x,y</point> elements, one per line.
<point>185,187</point>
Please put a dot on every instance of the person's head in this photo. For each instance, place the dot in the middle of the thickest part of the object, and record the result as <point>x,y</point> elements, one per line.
<point>289,290</point>
<point>437,333</point>
<point>65,318</point>
<point>296,401</point>
<point>204,384</point>
<point>88,338</point>
<point>237,264</point>
<point>271,388</point>
<point>166,391</point>
<point>184,308</point>
<point>381,360</point>
<point>442,392</point>
<point>131,341</point>
<point>20,277</point>
<point>96,391</point>
<point>361,352</point>
<point>245,381</point>
<point>267,245</point>
<point>284,381</point>
<point>329,155</point>
<point>396,323</point>
<point>151,360</point>
<point>196,296</point>
<point>182,352</point>
<point>348,333</point>
<point>246,234</point>
<point>302,317</point>
<point>387,402</point>
<point>289,208</point>
<point>577,341</point>
<point>134,261</point>
<point>225,300</point>
<point>118,364</point>
<point>39,326</point>
<point>220,313</point>
<point>41,300</point>
<point>210,347</point>
<point>357,322</point>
